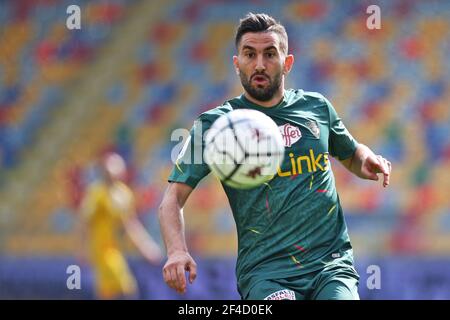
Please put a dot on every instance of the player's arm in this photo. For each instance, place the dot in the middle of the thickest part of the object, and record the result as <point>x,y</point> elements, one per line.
<point>172,228</point>
<point>142,239</point>
<point>356,157</point>
<point>366,165</point>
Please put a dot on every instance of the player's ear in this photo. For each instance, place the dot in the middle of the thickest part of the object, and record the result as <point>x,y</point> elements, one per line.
<point>288,63</point>
<point>236,64</point>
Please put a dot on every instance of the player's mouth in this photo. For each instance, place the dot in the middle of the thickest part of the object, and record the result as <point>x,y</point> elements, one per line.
<point>260,79</point>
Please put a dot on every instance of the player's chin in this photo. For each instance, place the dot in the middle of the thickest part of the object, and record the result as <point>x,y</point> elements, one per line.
<point>260,89</point>
<point>260,84</point>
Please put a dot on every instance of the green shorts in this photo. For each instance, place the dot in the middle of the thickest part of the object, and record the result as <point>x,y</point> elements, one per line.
<point>334,284</point>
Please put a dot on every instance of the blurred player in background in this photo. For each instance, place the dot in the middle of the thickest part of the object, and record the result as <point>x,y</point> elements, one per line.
<point>107,208</point>
<point>292,237</point>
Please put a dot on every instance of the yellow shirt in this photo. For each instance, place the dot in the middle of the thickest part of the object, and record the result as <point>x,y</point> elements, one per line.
<point>102,209</point>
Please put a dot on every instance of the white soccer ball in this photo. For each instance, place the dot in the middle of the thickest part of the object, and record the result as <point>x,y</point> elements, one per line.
<point>244,148</point>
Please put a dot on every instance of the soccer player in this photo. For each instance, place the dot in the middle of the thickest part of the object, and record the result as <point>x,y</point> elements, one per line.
<point>292,237</point>
<point>107,208</point>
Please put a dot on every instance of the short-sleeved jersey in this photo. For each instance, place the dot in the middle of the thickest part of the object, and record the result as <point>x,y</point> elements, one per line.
<point>102,209</point>
<point>293,224</point>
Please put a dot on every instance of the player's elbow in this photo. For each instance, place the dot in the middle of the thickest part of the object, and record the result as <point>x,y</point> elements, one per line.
<point>173,198</point>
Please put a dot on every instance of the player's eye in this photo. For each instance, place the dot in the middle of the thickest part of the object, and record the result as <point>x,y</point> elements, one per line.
<point>270,55</point>
<point>250,55</point>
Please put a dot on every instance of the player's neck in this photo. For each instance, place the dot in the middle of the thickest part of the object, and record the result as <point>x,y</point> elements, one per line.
<point>276,99</point>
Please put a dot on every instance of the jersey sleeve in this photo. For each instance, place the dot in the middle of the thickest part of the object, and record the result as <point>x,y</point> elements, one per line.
<point>341,143</point>
<point>190,167</point>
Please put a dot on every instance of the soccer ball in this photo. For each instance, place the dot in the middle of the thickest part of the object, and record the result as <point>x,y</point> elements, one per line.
<point>244,148</point>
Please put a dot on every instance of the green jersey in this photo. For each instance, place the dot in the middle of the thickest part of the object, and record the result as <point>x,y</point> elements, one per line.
<point>293,224</point>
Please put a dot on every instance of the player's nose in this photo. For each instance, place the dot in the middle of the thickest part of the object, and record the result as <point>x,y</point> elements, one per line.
<point>260,66</point>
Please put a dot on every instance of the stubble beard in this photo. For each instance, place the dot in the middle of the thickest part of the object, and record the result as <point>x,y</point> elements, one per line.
<point>261,93</point>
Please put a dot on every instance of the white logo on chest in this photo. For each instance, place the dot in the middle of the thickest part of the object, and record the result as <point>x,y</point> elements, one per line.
<point>290,134</point>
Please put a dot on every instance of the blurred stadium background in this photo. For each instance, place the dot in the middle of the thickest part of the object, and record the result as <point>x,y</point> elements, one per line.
<point>139,69</point>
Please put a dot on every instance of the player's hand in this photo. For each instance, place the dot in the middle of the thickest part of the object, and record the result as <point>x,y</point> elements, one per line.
<point>373,165</point>
<point>174,270</point>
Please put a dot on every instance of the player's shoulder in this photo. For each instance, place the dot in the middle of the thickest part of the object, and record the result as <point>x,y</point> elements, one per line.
<point>314,101</point>
<point>212,114</point>
<point>312,96</point>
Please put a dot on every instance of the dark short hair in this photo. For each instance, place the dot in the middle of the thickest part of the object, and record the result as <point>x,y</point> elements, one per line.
<point>261,22</point>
